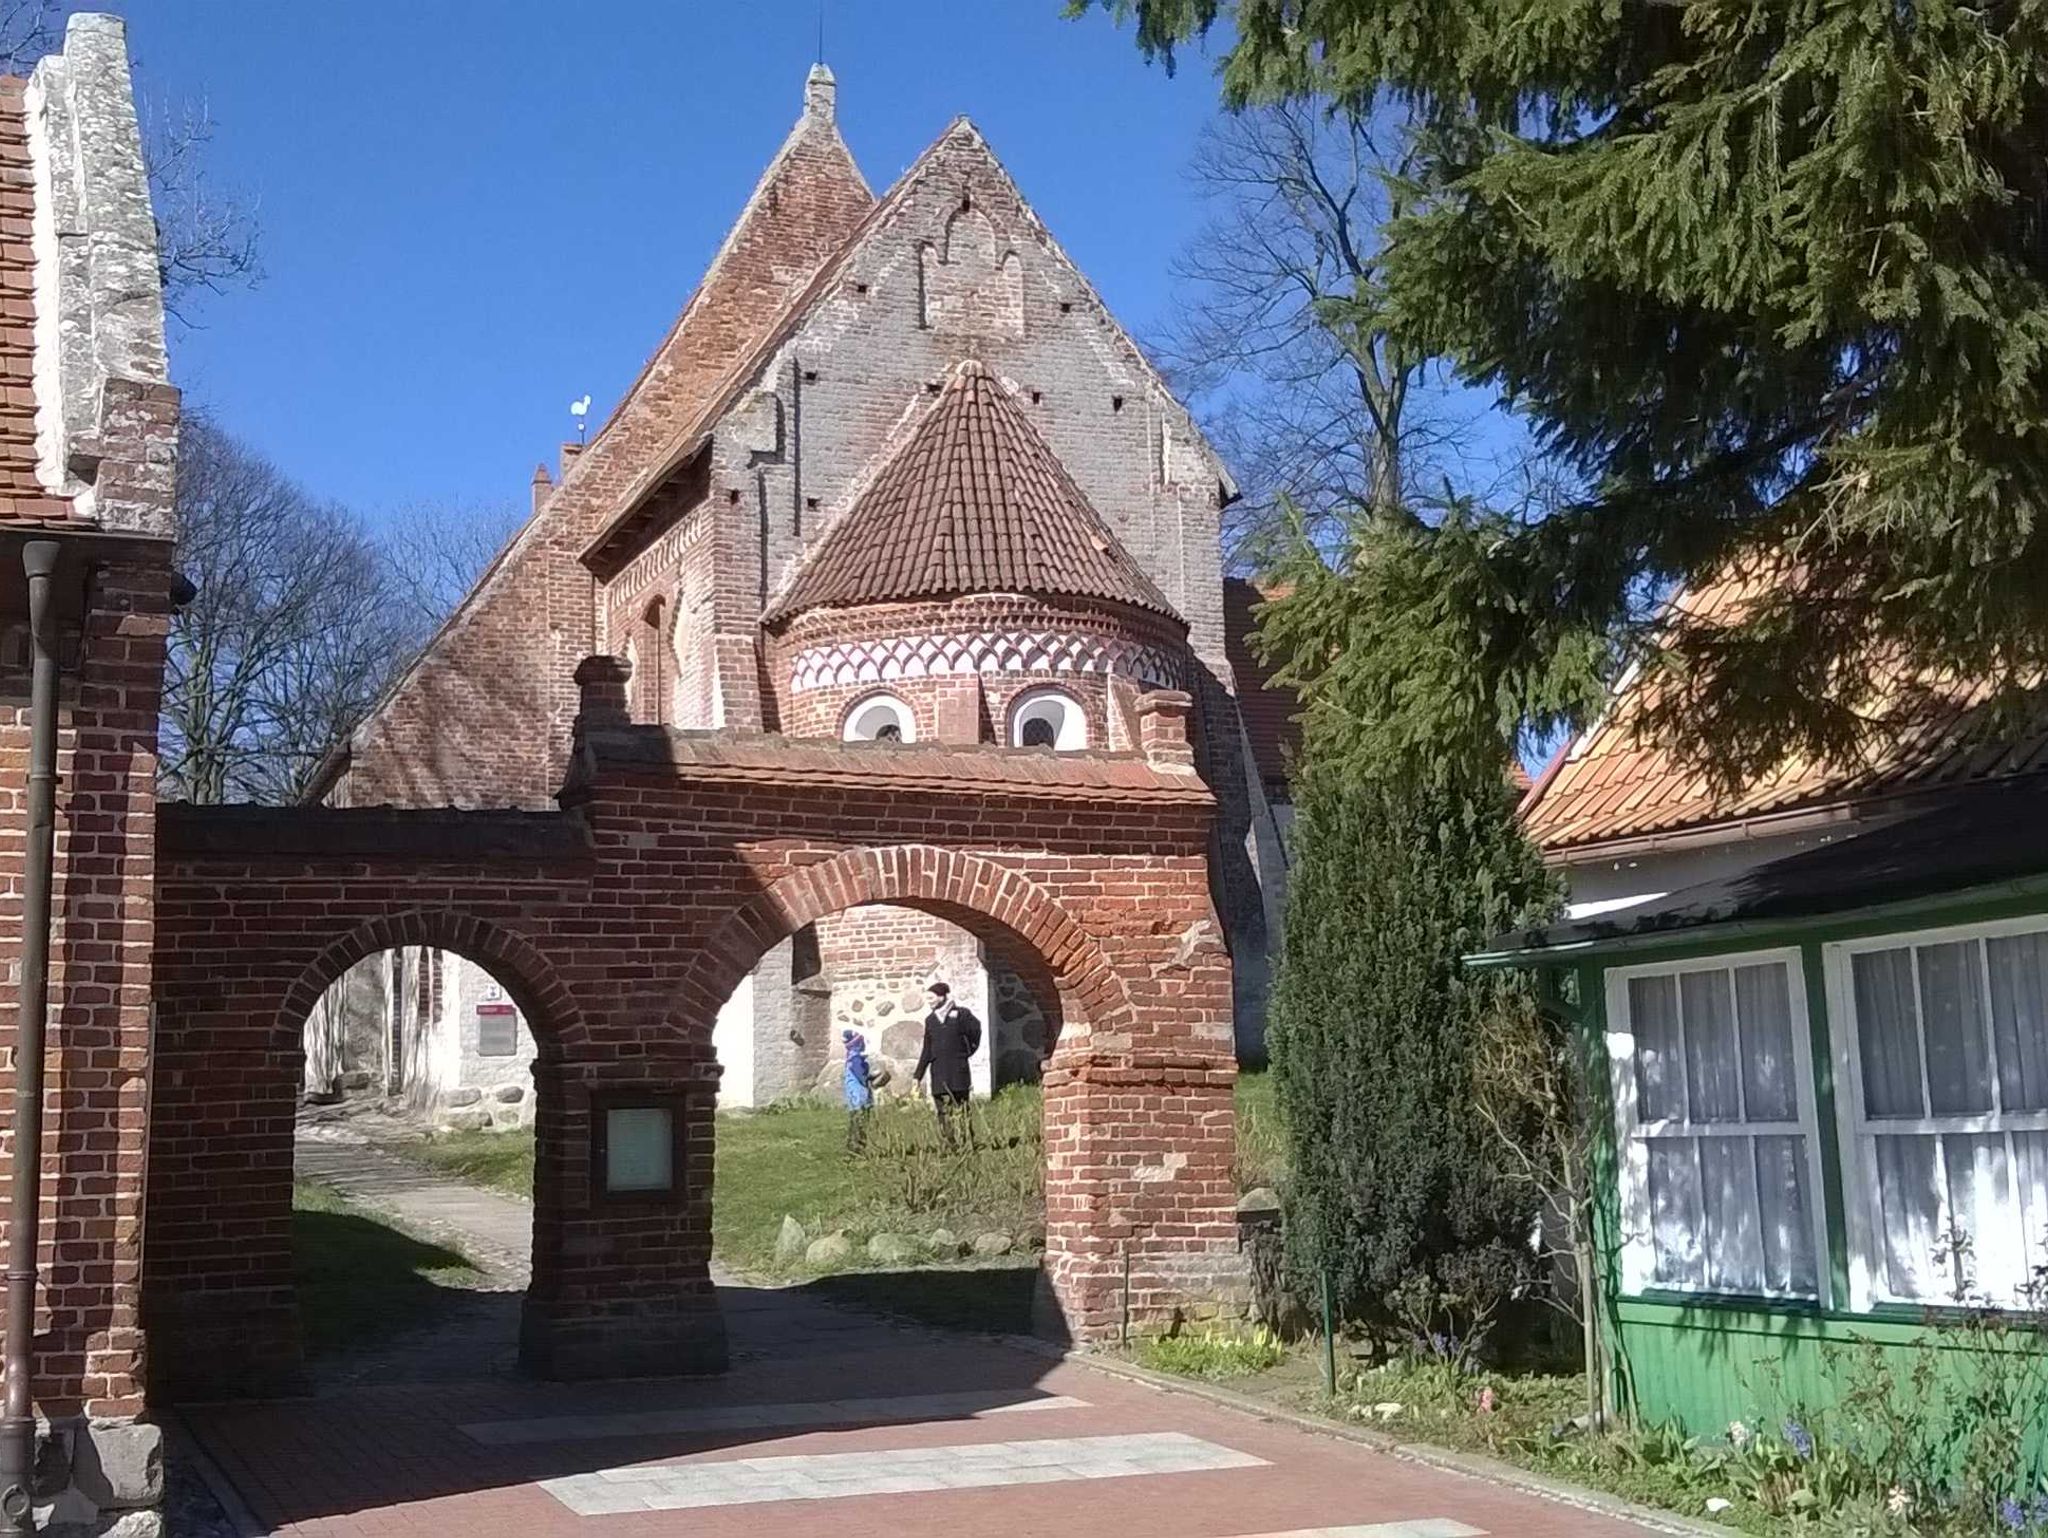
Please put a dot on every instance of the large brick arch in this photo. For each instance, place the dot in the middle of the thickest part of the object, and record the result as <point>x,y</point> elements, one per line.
<point>964,888</point>
<point>525,974</point>
<point>621,924</point>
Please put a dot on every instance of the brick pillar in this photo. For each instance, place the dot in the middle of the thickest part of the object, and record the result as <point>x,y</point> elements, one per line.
<point>1163,728</point>
<point>601,684</point>
<point>621,1284</point>
<point>1139,1146</point>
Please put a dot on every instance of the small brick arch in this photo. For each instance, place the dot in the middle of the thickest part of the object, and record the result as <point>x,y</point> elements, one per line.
<point>550,1012</point>
<point>945,881</point>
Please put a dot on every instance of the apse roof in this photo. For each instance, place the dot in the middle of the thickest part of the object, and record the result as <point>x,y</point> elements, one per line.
<point>975,501</point>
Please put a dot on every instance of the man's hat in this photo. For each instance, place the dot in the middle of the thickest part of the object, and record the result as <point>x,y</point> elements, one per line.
<point>941,990</point>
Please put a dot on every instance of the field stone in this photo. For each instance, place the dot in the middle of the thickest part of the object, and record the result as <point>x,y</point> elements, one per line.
<point>829,1252</point>
<point>511,1094</point>
<point>994,1242</point>
<point>892,1249</point>
<point>902,1040</point>
<point>120,1466</point>
<point>466,1121</point>
<point>943,1241</point>
<point>790,1240</point>
<point>467,1096</point>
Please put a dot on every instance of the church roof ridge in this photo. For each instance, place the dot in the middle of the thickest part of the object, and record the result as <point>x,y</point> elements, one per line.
<point>974,501</point>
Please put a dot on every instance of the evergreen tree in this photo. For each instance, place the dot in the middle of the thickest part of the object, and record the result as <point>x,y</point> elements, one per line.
<point>1397,1188</point>
<point>1769,280</point>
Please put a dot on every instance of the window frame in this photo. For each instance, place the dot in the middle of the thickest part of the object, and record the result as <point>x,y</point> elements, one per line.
<point>1637,1239</point>
<point>676,1106</point>
<point>1855,1129</point>
<point>906,718</point>
<point>1075,712</point>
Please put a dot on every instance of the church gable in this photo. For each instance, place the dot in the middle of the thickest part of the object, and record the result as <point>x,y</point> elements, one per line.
<point>952,264</point>
<point>482,718</point>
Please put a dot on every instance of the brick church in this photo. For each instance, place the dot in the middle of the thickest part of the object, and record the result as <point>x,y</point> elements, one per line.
<point>894,474</point>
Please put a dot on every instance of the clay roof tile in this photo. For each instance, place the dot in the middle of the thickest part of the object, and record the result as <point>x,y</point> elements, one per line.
<point>975,501</point>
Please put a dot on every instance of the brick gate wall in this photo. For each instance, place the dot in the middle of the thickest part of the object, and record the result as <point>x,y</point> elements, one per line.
<point>96,1097</point>
<point>621,925</point>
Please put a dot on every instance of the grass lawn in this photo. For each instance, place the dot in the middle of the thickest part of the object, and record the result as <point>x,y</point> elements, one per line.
<point>358,1276</point>
<point>791,1160</point>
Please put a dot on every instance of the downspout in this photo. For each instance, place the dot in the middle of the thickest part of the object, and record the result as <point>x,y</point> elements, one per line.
<point>24,1199</point>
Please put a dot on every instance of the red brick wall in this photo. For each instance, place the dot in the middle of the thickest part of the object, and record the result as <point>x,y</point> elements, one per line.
<point>621,958</point>
<point>484,719</point>
<point>97,1100</point>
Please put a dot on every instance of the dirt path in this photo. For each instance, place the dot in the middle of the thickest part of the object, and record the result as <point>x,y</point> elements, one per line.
<point>474,1335</point>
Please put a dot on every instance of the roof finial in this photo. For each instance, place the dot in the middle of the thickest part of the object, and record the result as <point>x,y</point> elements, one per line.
<point>820,93</point>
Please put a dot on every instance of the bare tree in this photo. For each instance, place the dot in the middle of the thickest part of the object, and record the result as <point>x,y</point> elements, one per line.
<point>436,552</point>
<point>27,29</point>
<point>206,233</point>
<point>289,638</point>
<point>1281,336</point>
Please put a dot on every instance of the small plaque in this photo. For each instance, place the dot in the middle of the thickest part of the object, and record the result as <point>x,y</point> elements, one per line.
<point>640,1145</point>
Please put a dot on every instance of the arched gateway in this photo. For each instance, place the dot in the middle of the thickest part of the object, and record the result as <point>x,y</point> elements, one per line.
<point>620,922</point>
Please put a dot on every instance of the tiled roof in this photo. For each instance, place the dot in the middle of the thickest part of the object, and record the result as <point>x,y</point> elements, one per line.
<point>1270,712</point>
<point>22,497</point>
<point>934,767</point>
<point>1612,783</point>
<point>975,502</point>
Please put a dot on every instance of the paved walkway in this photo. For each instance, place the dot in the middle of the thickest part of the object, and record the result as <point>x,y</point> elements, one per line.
<point>834,1423</point>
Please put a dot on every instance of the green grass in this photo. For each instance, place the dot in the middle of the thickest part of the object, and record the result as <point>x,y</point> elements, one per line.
<point>500,1160</point>
<point>1261,1142</point>
<point>359,1276</point>
<point>791,1159</point>
<point>1212,1354</point>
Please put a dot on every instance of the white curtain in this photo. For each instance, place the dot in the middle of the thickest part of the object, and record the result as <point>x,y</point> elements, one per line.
<point>1728,1210</point>
<point>1946,1032</point>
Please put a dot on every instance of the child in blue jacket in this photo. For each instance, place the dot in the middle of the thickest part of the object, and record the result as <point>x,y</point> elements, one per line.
<point>860,1090</point>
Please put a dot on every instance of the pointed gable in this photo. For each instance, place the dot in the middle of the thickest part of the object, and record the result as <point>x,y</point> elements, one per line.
<point>801,213</point>
<point>974,502</point>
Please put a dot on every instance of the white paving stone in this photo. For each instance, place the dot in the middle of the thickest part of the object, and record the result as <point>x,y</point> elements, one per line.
<point>971,1405</point>
<point>1419,1527</point>
<point>673,1486</point>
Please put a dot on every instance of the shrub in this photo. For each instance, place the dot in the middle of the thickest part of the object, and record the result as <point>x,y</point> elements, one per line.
<point>1397,1187</point>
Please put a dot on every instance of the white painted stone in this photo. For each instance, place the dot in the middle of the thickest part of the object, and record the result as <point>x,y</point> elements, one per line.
<point>828,1476</point>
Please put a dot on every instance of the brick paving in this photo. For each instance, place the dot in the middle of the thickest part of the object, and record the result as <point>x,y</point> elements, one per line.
<point>831,1422</point>
<point>444,1459</point>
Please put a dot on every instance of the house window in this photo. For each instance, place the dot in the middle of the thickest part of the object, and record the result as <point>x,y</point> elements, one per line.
<point>1048,718</point>
<point>880,718</point>
<point>1714,1106</point>
<point>1941,1050</point>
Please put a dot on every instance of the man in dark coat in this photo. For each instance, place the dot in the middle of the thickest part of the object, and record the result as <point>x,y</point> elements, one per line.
<point>951,1038</point>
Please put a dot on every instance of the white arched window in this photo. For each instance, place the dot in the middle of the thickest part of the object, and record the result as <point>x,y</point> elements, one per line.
<point>1048,718</point>
<point>880,718</point>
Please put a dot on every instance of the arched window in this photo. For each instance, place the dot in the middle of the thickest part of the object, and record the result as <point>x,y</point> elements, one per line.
<point>880,718</point>
<point>1048,718</point>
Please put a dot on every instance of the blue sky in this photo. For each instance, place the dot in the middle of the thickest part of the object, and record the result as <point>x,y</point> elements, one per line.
<point>474,212</point>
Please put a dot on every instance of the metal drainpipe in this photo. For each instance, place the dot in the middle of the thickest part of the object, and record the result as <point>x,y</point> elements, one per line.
<point>24,1200</point>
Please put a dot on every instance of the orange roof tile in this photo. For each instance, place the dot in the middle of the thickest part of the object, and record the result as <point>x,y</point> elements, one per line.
<point>1613,783</point>
<point>974,502</point>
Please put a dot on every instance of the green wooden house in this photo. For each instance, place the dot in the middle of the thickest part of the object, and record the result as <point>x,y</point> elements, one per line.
<point>1824,1137</point>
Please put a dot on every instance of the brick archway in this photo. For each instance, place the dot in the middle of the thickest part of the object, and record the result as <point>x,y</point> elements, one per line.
<point>976,893</point>
<point>621,922</point>
<point>514,963</point>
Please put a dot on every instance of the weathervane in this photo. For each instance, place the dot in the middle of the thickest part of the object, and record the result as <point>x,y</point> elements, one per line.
<point>580,410</point>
